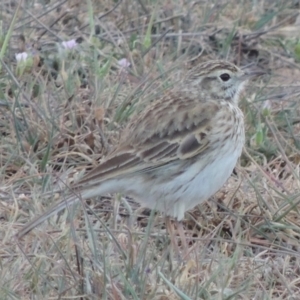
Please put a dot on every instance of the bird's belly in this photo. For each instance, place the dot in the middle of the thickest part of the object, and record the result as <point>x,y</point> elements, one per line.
<point>191,187</point>
<point>176,188</point>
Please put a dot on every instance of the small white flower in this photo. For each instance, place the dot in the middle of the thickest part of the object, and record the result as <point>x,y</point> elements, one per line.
<point>267,105</point>
<point>21,56</point>
<point>69,44</point>
<point>124,63</point>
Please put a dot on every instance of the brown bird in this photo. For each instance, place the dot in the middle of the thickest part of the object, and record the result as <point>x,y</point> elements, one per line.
<point>179,151</point>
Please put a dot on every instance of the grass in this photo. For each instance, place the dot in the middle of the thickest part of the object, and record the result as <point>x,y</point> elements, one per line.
<point>63,108</point>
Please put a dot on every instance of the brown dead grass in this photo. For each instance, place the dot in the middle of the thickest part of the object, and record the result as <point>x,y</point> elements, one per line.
<point>65,111</point>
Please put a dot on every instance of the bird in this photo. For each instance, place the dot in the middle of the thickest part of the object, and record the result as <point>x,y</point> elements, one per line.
<point>178,151</point>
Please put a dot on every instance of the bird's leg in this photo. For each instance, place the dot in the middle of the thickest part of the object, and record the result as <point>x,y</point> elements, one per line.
<point>182,237</point>
<point>172,232</point>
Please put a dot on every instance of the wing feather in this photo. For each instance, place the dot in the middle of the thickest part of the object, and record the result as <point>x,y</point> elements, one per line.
<point>181,132</point>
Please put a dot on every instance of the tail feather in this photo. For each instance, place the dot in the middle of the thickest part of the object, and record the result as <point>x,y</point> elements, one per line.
<point>49,213</point>
<point>89,190</point>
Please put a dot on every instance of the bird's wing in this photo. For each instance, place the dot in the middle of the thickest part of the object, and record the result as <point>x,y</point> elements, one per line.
<point>171,129</point>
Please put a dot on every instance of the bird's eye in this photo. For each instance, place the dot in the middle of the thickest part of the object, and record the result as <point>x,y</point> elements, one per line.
<point>225,77</point>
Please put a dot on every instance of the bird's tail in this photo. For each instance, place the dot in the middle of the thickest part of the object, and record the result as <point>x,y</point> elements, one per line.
<point>71,200</point>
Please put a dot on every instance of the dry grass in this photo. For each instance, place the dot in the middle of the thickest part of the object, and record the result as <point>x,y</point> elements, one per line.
<point>61,110</point>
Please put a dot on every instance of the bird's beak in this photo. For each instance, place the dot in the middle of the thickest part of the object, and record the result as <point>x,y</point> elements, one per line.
<point>253,73</point>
